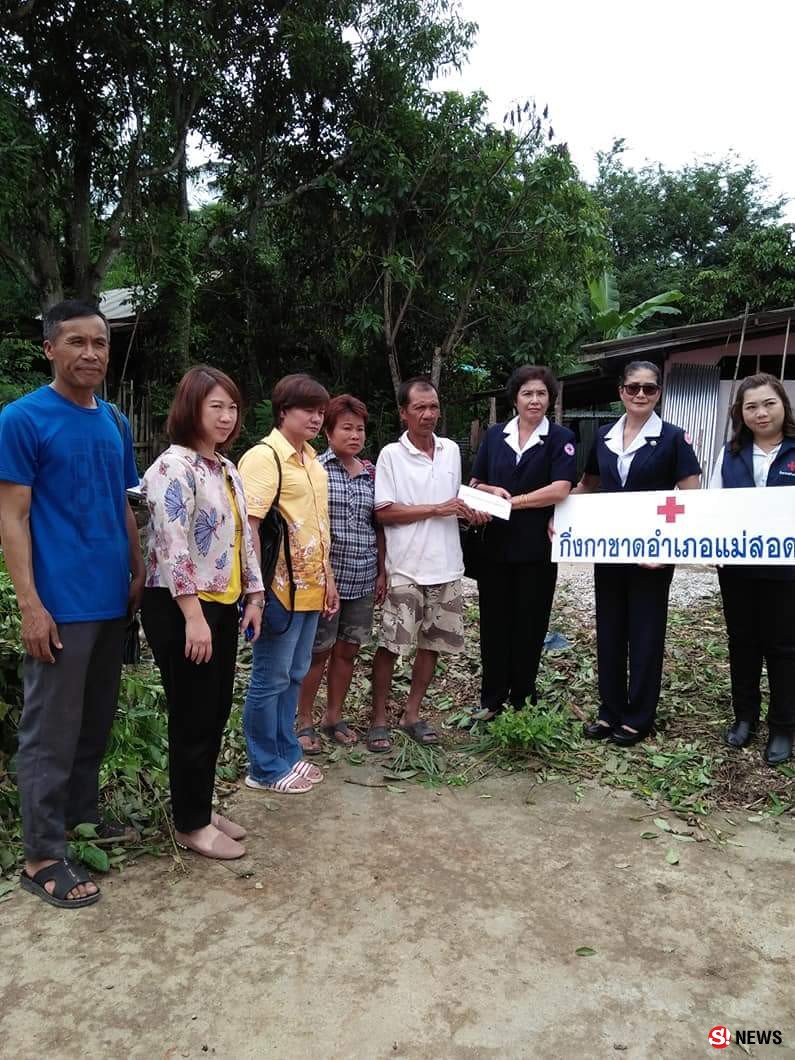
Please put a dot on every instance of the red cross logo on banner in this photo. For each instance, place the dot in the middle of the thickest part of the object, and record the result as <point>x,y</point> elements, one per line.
<point>670,509</point>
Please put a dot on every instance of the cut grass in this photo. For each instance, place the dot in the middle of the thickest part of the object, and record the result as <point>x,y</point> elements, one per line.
<point>686,766</point>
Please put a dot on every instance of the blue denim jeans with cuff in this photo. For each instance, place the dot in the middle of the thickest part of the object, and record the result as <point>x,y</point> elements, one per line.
<point>280,661</point>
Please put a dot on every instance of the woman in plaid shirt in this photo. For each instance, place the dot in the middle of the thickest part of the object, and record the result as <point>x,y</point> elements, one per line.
<point>357,560</point>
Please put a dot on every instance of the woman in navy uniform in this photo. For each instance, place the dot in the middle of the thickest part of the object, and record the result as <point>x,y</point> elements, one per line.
<point>759,602</point>
<point>639,452</point>
<point>530,462</point>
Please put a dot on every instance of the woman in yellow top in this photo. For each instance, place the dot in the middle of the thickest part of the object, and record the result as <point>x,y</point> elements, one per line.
<point>282,656</point>
<point>200,560</point>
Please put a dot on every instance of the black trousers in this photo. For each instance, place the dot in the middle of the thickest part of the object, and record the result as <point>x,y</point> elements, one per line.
<point>515,602</point>
<point>199,700</point>
<point>760,621</point>
<point>631,619</point>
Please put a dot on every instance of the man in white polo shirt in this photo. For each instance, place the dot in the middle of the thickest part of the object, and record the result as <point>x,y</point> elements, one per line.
<point>416,485</point>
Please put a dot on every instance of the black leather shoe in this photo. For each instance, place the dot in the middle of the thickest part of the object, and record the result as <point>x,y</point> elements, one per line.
<point>779,748</point>
<point>595,731</point>
<point>741,733</point>
<point>621,736</point>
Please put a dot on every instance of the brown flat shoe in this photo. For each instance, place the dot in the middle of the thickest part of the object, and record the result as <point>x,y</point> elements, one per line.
<point>221,847</point>
<point>223,824</point>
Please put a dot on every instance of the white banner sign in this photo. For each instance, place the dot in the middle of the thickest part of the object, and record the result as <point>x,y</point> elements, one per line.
<point>748,526</point>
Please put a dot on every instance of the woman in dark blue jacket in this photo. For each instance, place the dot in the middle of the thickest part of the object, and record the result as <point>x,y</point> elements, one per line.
<point>530,462</point>
<point>639,452</point>
<point>759,602</point>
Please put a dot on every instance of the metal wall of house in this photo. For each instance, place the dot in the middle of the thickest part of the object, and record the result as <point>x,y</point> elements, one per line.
<point>691,401</point>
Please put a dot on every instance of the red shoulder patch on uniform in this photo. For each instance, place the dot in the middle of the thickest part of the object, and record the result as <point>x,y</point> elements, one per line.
<point>568,449</point>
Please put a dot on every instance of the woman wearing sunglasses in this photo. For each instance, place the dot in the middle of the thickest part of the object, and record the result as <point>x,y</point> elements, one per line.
<point>639,452</point>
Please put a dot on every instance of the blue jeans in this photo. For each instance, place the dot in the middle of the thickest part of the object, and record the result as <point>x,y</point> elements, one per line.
<point>280,663</point>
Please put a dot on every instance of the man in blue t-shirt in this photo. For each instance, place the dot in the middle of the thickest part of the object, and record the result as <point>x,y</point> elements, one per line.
<point>71,547</point>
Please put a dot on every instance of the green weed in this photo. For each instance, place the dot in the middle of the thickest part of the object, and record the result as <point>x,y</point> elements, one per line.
<point>533,728</point>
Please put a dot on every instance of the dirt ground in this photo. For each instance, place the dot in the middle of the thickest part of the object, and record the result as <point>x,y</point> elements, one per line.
<point>372,923</point>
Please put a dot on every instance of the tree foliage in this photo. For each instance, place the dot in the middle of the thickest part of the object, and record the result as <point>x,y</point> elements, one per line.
<point>98,101</point>
<point>759,270</point>
<point>696,229</point>
<point>361,226</point>
<point>611,322</point>
<point>467,241</point>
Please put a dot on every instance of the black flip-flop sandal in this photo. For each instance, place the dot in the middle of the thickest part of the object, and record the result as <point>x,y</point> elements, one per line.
<point>418,731</point>
<point>339,726</point>
<point>66,876</point>
<point>375,735</point>
<point>311,732</point>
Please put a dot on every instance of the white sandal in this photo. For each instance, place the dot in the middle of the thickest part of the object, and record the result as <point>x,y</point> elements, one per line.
<point>308,772</point>
<point>291,784</point>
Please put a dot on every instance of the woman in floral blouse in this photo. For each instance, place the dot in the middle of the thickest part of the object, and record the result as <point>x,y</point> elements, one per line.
<point>200,561</point>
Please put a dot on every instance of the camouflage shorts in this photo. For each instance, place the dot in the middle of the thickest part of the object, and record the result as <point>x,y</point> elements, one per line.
<point>425,616</point>
<point>353,622</point>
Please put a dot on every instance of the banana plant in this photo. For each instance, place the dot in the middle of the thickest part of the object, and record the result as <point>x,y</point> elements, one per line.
<point>607,316</point>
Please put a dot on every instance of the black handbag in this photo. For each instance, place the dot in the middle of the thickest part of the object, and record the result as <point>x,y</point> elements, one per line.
<point>474,550</point>
<point>273,535</point>
<point>131,653</point>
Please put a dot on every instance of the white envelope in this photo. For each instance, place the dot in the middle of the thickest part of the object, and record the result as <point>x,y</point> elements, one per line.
<point>480,501</point>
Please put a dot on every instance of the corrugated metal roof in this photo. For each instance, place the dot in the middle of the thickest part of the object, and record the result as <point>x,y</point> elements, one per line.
<point>686,335</point>
<point>117,304</point>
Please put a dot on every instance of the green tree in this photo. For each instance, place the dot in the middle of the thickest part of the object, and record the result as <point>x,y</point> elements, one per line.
<point>760,271</point>
<point>22,368</point>
<point>285,129</point>
<point>669,227</point>
<point>364,228</point>
<point>97,101</point>
<point>87,99</point>
<point>480,234</point>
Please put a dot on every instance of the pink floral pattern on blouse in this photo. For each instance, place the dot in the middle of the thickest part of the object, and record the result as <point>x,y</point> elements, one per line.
<point>191,532</point>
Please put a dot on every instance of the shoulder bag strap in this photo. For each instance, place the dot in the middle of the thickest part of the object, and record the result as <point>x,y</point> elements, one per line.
<point>288,559</point>
<point>278,472</point>
<point>116,414</point>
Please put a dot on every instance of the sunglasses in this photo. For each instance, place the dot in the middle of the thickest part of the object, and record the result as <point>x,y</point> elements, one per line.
<point>633,389</point>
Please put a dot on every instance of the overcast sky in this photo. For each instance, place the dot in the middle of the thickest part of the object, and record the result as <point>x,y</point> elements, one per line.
<point>679,81</point>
